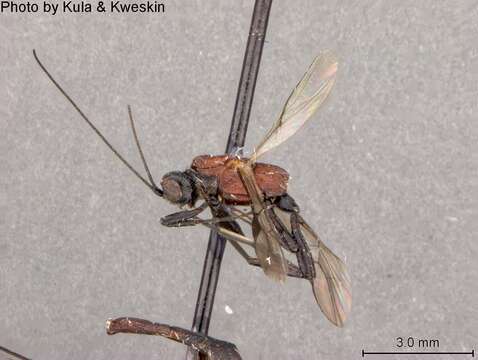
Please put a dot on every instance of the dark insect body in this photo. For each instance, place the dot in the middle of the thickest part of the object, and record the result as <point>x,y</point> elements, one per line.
<point>224,182</point>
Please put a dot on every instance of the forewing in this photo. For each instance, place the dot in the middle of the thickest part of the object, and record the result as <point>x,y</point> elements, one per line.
<point>307,97</point>
<point>268,250</point>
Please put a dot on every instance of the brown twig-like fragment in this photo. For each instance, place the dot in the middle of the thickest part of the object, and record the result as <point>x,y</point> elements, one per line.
<point>213,348</point>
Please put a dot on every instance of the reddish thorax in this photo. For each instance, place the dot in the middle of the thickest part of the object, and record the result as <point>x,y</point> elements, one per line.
<point>272,180</point>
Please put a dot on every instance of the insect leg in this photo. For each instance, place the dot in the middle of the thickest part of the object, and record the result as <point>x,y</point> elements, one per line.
<point>184,218</point>
<point>244,216</point>
<point>216,220</point>
<point>233,233</point>
<point>189,218</point>
<point>286,239</point>
<point>229,233</point>
<point>292,270</point>
<point>304,256</point>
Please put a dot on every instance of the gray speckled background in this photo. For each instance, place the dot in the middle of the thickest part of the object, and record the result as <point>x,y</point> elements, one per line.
<point>386,173</point>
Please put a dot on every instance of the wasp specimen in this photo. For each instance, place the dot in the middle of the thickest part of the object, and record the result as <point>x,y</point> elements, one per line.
<point>225,183</point>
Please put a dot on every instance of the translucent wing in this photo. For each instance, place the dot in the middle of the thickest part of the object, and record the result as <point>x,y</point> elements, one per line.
<point>307,97</point>
<point>331,285</point>
<point>268,250</point>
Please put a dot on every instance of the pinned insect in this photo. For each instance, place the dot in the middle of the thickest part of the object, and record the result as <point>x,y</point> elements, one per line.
<point>224,183</point>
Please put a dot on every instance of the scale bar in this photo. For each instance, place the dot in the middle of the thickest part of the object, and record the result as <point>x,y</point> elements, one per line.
<point>472,353</point>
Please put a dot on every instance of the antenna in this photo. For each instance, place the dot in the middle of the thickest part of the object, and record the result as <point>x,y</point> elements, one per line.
<point>152,186</point>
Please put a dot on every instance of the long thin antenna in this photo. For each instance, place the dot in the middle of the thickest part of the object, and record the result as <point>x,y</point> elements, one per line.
<point>143,159</point>
<point>152,187</point>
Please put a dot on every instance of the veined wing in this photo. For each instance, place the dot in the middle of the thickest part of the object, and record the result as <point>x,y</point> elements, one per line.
<point>307,97</point>
<point>268,250</point>
<point>331,285</point>
<point>267,247</point>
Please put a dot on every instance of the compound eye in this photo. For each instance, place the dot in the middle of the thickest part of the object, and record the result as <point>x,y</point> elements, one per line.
<point>172,190</point>
<point>177,188</point>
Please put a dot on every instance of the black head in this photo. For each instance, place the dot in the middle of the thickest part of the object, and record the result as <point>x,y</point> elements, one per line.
<point>178,188</point>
